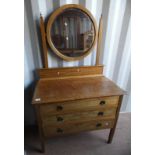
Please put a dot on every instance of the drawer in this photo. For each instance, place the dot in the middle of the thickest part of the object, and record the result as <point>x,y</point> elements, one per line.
<point>87,126</point>
<point>78,116</point>
<point>78,105</point>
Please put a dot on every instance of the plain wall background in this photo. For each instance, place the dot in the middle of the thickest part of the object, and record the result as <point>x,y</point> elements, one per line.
<point>115,53</point>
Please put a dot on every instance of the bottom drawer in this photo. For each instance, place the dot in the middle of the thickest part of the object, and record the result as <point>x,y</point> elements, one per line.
<point>74,128</point>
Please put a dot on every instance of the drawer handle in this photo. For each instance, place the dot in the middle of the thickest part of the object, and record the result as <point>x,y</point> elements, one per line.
<point>59,130</point>
<point>100,113</point>
<point>98,125</point>
<point>59,119</point>
<point>59,107</point>
<point>102,102</point>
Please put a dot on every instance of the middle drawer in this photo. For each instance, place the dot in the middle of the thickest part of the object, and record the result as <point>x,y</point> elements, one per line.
<point>78,116</point>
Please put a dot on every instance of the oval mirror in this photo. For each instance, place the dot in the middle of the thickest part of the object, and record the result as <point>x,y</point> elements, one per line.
<point>71,32</point>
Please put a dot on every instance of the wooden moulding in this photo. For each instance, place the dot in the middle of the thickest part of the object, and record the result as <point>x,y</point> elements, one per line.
<point>50,22</point>
<point>67,72</point>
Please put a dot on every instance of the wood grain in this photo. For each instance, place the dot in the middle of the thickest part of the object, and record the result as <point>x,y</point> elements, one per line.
<point>100,33</point>
<point>40,126</point>
<point>74,99</point>
<point>50,22</point>
<point>61,90</point>
<point>112,131</point>
<point>78,117</point>
<point>70,71</point>
<point>77,127</point>
<point>79,105</point>
<point>43,37</point>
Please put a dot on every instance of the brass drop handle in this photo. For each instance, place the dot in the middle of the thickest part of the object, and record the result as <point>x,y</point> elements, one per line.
<point>98,125</point>
<point>100,113</point>
<point>59,119</point>
<point>59,107</point>
<point>59,130</point>
<point>102,102</point>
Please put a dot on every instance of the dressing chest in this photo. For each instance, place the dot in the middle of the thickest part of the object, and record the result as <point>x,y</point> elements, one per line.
<point>74,99</point>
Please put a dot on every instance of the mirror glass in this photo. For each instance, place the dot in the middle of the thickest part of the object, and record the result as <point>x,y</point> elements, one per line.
<point>72,32</point>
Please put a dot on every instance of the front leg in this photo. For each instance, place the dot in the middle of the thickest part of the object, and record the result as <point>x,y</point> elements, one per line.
<point>111,135</point>
<point>41,135</point>
<point>42,144</point>
<point>112,131</point>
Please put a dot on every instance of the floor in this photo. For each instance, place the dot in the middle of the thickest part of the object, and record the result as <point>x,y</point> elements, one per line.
<point>88,143</point>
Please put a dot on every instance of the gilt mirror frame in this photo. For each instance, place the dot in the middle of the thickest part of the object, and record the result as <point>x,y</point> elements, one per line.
<point>51,20</point>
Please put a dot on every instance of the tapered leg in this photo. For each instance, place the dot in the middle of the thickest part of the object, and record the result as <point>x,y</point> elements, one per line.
<point>112,131</point>
<point>111,134</point>
<point>41,135</point>
<point>42,144</point>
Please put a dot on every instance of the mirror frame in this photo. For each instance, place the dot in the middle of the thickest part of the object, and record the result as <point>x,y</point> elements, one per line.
<point>51,20</point>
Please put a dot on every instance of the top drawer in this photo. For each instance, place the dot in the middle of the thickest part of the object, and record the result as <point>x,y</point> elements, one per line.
<point>79,105</point>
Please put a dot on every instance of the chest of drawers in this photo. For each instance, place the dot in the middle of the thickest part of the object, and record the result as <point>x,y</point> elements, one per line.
<point>75,99</point>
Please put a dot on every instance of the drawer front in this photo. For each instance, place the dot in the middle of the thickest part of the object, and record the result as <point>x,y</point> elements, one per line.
<point>87,126</point>
<point>81,105</point>
<point>81,116</point>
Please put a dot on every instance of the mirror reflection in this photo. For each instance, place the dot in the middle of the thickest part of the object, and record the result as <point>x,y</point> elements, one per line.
<point>72,33</point>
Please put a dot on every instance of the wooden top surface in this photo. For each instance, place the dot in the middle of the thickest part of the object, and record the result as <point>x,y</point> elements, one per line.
<point>60,90</point>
